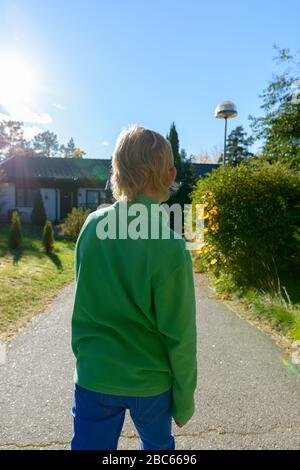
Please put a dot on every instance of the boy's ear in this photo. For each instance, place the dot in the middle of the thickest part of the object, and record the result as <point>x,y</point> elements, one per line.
<point>173,173</point>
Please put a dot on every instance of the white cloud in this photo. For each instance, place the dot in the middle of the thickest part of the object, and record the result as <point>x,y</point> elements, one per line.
<point>41,118</point>
<point>105,143</point>
<point>23,113</point>
<point>30,132</point>
<point>59,106</point>
<point>3,110</point>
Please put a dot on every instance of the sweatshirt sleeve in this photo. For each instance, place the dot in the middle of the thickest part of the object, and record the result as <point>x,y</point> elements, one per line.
<point>175,311</point>
<point>77,259</point>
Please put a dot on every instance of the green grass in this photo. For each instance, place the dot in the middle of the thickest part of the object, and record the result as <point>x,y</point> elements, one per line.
<point>30,278</point>
<point>279,307</point>
<point>282,315</point>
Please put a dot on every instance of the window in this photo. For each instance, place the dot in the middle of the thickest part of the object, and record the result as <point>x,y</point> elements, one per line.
<point>24,197</point>
<point>92,198</point>
<point>102,195</point>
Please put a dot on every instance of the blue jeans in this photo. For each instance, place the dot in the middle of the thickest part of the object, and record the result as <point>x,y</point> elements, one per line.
<point>98,420</point>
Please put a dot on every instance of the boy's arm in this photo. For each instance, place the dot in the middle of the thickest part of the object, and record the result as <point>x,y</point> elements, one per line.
<point>77,260</point>
<point>176,320</point>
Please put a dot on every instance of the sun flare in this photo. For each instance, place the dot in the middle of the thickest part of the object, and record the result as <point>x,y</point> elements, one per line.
<point>18,84</point>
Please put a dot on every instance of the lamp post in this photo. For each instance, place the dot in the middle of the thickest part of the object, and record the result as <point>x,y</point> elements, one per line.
<point>225,110</point>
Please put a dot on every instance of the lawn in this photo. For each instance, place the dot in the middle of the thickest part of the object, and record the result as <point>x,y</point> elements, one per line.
<point>29,277</point>
<point>278,308</point>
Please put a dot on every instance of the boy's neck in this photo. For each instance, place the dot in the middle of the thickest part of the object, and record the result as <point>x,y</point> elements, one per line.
<point>157,197</point>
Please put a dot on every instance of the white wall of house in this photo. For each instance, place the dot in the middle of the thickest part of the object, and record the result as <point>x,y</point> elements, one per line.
<point>58,204</point>
<point>49,200</point>
<point>7,198</point>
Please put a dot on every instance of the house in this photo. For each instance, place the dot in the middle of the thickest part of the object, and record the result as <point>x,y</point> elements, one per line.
<point>63,182</point>
<point>202,169</point>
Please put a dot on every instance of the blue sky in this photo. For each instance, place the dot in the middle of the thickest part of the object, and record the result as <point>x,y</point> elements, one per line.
<point>87,69</point>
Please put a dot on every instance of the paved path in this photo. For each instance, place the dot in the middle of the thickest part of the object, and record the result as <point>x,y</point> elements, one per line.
<point>246,398</point>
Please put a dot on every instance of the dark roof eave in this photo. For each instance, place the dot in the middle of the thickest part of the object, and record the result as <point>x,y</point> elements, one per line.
<point>55,180</point>
<point>29,167</point>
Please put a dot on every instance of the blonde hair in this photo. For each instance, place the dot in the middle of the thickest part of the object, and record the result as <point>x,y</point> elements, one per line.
<point>141,159</point>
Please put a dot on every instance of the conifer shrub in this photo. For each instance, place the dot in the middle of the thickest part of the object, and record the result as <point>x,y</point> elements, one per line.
<point>15,233</point>
<point>38,215</point>
<point>48,237</point>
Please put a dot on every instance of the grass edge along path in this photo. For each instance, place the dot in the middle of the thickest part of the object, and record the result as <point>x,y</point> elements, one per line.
<point>274,315</point>
<point>30,278</point>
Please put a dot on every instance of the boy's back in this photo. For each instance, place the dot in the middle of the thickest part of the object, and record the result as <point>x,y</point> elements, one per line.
<point>134,300</point>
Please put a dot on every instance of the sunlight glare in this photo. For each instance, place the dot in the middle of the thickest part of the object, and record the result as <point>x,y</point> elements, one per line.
<point>18,84</point>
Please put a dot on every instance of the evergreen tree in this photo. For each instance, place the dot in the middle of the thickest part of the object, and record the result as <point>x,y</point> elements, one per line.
<point>174,141</point>
<point>15,233</point>
<point>11,139</point>
<point>48,237</point>
<point>46,144</point>
<point>71,151</point>
<point>279,127</point>
<point>185,173</point>
<point>237,146</point>
<point>38,216</point>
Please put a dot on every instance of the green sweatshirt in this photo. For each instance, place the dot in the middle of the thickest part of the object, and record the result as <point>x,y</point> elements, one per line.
<point>134,321</point>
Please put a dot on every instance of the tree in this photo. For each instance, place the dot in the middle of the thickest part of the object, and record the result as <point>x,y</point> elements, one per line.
<point>15,233</point>
<point>47,237</point>
<point>11,139</point>
<point>25,152</point>
<point>79,153</point>
<point>71,151</point>
<point>237,146</point>
<point>13,143</point>
<point>38,215</point>
<point>182,163</point>
<point>46,144</point>
<point>188,178</point>
<point>279,128</point>
<point>185,172</point>
<point>174,141</point>
<point>74,222</point>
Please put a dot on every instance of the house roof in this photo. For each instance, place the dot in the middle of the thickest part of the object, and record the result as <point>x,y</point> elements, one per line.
<point>202,169</point>
<point>69,169</point>
<point>66,169</point>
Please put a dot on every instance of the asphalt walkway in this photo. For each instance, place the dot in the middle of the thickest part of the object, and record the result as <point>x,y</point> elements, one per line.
<point>246,397</point>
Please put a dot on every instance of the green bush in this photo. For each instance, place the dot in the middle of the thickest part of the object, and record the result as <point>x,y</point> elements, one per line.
<point>252,220</point>
<point>15,233</point>
<point>38,215</point>
<point>73,223</point>
<point>47,237</point>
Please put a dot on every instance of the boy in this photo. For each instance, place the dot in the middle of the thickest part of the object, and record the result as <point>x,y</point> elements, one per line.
<point>134,322</point>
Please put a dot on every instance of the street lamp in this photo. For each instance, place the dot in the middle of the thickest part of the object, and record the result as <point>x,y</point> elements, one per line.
<point>225,110</point>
